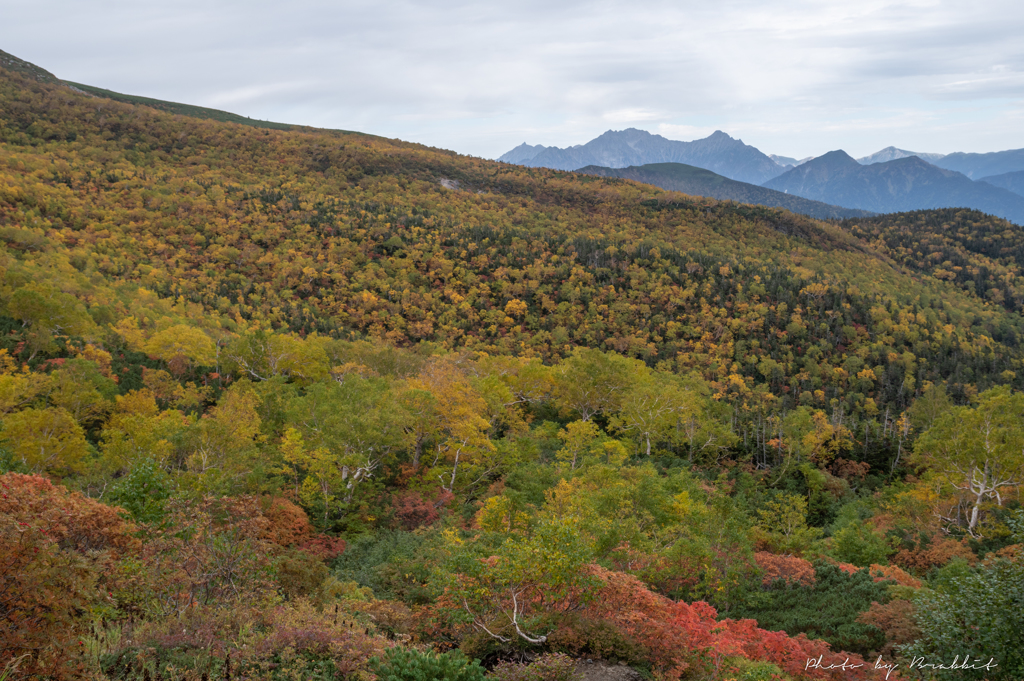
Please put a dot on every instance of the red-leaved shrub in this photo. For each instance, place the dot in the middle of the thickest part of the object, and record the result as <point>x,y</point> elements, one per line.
<point>883,572</point>
<point>787,568</point>
<point>57,553</point>
<point>922,559</point>
<point>679,636</point>
<point>413,509</point>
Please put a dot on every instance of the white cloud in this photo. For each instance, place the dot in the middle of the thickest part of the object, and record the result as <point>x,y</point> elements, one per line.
<point>683,132</point>
<point>796,77</point>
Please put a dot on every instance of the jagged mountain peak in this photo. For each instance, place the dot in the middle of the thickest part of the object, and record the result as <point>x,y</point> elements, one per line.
<point>894,153</point>
<point>524,152</point>
<point>719,152</point>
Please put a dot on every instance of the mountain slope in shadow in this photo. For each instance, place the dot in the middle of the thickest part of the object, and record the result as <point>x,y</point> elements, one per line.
<point>700,182</point>
<point>903,184</point>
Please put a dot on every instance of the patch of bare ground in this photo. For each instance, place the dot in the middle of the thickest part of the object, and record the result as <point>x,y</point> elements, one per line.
<point>602,671</point>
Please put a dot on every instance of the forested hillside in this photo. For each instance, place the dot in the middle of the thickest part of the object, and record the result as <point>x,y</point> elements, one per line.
<point>311,404</point>
<point>981,254</point>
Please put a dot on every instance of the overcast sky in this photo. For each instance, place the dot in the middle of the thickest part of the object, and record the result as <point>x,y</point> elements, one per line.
<point>796,78</point>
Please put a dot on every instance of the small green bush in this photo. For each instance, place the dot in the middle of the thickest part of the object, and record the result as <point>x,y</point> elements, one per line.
<point>300,574</point>
<point>749,670</point>
<point>828,610</point>
<point>858,544</point>
<point>404,664</point>
<point>390,562</point>
<point>977,613</point>
<point>143,492</point>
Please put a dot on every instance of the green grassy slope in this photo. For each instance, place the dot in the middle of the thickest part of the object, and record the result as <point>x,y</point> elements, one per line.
<point>179,109</point>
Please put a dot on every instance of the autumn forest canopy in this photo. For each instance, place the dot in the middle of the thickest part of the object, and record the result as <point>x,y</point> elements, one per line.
<point>304,404</point>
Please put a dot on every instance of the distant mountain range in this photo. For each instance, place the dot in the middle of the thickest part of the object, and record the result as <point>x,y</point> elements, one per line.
<point>903,184</point>
<point>700,182</point>
<point>974,166</point>
<point>1012,181</point>
<point>892,154</point>
<point>977,166</point>
<point>891,179</point>
<point>719,153</point>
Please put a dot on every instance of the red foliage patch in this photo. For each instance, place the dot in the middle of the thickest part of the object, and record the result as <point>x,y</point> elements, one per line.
<point>57,553</point>
<point>289,526</point>
<point>788,568</point>
<point>412,509</point>
<point>680,635</point>
<point>323,547</point>
<point>68,518</point>
<point>850,470</point>
<point>883,572</point>
<point>936,554</point>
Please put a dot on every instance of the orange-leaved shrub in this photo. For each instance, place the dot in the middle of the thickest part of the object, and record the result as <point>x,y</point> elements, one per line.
<point>894,573</point>
<point>287,522</point>
<point>681,638</point>
<point>790,569</point>
<point>57,554</point>
<point>936,554</point>
<point>287,525</point>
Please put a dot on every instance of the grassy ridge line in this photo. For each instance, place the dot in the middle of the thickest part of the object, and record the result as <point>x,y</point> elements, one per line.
<point>176,108</point>
<point>16,65</point>
<point>200,112</point>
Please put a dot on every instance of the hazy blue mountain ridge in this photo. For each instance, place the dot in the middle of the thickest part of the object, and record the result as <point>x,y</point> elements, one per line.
<point>524,152</point>
<point>788,160</point>
<point>903,184</point>
<point>1014,182</point>
<point>700,182</point>
<point>976,166</point>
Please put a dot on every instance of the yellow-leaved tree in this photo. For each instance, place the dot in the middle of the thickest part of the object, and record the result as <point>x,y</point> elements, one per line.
<point>456,425</point>
<point>138,431</point>
<point>46,440</point>
<point>182,347</point>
